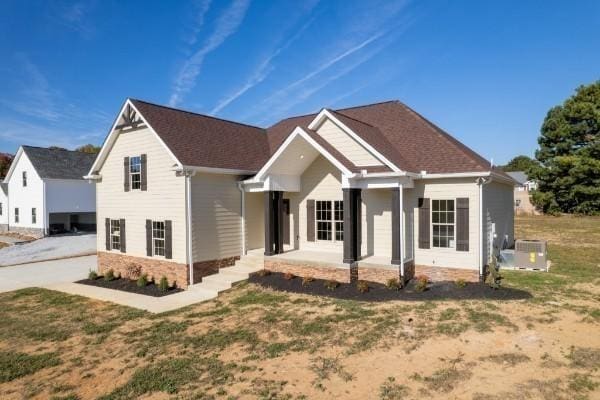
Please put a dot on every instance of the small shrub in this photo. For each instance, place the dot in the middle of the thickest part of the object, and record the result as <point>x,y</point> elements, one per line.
<point>307,280</point>
<point>264,272</point>
<point>109,275</point>
<point>163,285</point>
<point>92,275</point>
<point>142,280</point>
<point>332,284</point>
<point>362,286</point>
<point>460,283</point>
<point>393,284</point>
<point>288,276</point>
<point>133,271</point>
<point>421,282</point>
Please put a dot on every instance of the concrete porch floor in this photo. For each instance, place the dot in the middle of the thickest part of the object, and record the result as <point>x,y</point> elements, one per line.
<point>325,258</point>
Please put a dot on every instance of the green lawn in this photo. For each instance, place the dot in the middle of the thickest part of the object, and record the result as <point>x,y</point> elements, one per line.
<point>253,343</point>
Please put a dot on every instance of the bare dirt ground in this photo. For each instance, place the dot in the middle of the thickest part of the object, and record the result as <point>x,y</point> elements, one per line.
<point>255,343</point>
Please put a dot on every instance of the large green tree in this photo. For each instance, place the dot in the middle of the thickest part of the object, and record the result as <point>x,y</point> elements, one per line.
<point>520,163</point>
<point>569,153</point>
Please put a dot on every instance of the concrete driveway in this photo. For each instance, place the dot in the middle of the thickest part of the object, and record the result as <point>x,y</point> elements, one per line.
<point>46,273</point>
<point>49,248</point>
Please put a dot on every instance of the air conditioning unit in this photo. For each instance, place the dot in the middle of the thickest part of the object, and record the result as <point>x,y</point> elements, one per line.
<point>531,254</point>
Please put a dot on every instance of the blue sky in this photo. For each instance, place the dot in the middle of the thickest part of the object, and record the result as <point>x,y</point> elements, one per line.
<point>487,72</point>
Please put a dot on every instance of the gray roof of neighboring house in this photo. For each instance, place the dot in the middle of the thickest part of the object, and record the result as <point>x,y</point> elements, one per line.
<point>59,163</point>
<point>518,176</point>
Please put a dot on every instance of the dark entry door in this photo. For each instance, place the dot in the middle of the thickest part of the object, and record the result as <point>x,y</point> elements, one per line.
<point>286,221</point>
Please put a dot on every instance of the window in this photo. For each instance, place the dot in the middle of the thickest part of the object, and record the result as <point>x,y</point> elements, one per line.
<point>330,220</point>
<point>517,203</point>
<point>115,234</point>
<point>442,219</point>
<point>24,178</point>
<point>16,215</point>
<point>135,172</point>
<point>33,216</point>
<point>0,208</point>
<point>158,238</point>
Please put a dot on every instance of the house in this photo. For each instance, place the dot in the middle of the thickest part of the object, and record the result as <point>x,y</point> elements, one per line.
<point>522,189</point>
<point>47,192</point>
<point>3,207</point>
<point>371,192</point>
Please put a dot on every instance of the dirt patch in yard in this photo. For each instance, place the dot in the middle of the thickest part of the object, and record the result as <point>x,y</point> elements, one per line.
<point>377,292</point>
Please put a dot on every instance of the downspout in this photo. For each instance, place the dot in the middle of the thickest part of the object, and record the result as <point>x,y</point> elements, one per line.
<point>480,183</point>
<point>188,211</point>
<point>44,208</point>
<point>243,216</point>
<point>403,239</point>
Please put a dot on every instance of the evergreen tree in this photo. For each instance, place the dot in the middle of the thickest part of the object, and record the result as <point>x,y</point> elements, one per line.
<point>569,174</point>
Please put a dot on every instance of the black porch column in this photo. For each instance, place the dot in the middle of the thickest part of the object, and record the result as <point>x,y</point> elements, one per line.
<point>273,204</point>
<point>352,228</point>
<point>396,231</point>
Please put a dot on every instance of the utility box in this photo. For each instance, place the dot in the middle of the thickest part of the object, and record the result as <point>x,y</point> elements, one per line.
<point>531,254</point>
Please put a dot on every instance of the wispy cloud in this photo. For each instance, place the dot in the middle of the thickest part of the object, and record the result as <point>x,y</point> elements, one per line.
<point>201,7</point>
<point>226,25</point>
<point>262,71</point>
<point>75,17</point>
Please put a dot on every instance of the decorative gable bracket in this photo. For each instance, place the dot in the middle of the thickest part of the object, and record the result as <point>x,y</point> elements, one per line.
<point>129,119</point>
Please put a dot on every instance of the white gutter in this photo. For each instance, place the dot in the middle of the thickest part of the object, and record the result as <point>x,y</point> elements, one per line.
<point>243,217</point>
<point>425,175</point>
<point>188,212</point>
<point>480,183</point>
<point>225,171</point>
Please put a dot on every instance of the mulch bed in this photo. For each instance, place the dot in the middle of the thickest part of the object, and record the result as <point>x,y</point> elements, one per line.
<point>378,292</point>
<point>128,285</point>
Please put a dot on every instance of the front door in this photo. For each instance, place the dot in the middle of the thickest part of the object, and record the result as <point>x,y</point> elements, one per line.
<point>286,221</point>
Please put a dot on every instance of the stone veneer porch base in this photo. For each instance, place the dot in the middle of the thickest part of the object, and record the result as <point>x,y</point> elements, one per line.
<point>439,274</point>
<point>308,269</point>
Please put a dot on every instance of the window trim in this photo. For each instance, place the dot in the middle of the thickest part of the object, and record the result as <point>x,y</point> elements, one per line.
<point>453,224</point>
<point>333,221</point>
<point>138,173</point>
<point>156,238</point>
<point>116,222</point>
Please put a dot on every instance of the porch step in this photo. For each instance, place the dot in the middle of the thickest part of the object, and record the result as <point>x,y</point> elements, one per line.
<point>240,269</point>
<point>214,286</point>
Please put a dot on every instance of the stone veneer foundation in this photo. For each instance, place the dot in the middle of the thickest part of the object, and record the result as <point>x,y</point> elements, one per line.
<point>439,274</point>
<point>176,273</point>
<point>306,269</point>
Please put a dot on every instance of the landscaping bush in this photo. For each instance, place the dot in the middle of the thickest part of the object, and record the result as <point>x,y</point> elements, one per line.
<point>142,280</point>
<point>307,280</point>
<point>92,275</point>
<point>133,271</point>
<point>331,284</point>
<point>264,272</point>
<point>421,282</point>
<point>109,275</point>
<point>460,283</point>
<point>288,276</point>
<point>393,284</point>
<point>362,286</point>
<point>163,285</point>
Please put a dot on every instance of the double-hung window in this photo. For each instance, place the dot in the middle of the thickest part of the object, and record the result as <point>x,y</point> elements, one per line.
<point>115,234</point>
<point>158,238</point>
<point>135,172</point>
<point>24,178</point>
<point>442,220</point>
<point>33,216</point>
<point>0,208</point>
<point>16,215</point>
<point>329,216</point>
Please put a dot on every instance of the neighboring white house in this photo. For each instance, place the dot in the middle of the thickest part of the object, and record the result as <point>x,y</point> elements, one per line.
<point>371,192</point>
<point>47,193</point>
<point>523,188</point>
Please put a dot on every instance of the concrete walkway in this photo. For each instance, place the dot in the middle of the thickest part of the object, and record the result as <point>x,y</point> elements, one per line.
<point>41,274</point>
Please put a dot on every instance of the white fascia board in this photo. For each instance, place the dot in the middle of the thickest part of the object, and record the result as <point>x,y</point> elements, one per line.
<point>298,131</point>
<point>13,165</point>
<point>454,175</point>
<point>381,182</point>
<point>224,171</point>
<point>326,114</point>
<point>112,136</point>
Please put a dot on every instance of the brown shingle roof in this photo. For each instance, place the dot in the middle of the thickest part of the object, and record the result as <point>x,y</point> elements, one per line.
<point>400,134</point>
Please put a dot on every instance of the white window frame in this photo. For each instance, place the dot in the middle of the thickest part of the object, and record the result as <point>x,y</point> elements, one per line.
<point>451,239</point>
<point>33,215</point>
<point>156,238</point>
<point>137,173</point>
<point>115,234</point>
<point>333,222</point>
<point>24,175</point>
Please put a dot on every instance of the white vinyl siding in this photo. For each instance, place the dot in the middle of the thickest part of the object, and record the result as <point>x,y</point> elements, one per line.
<point>447,189</point>
<point>164,199</point>
<point>498,200</point>
<point>216,213</point>
<point>346,145</point>
<point>376,226</point>
<point>28,197</point>
<point>255,221</point>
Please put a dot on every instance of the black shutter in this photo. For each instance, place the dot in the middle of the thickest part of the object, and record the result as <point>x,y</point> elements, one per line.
<point>462,224</point>
<point>424,223</point>
<point>310,220</point>
<point>122,231</point>
<point>168,239</point>
<point>107,233</point>
<point>149,238</point>
<point>144,172</point>
<point>126,174</point>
